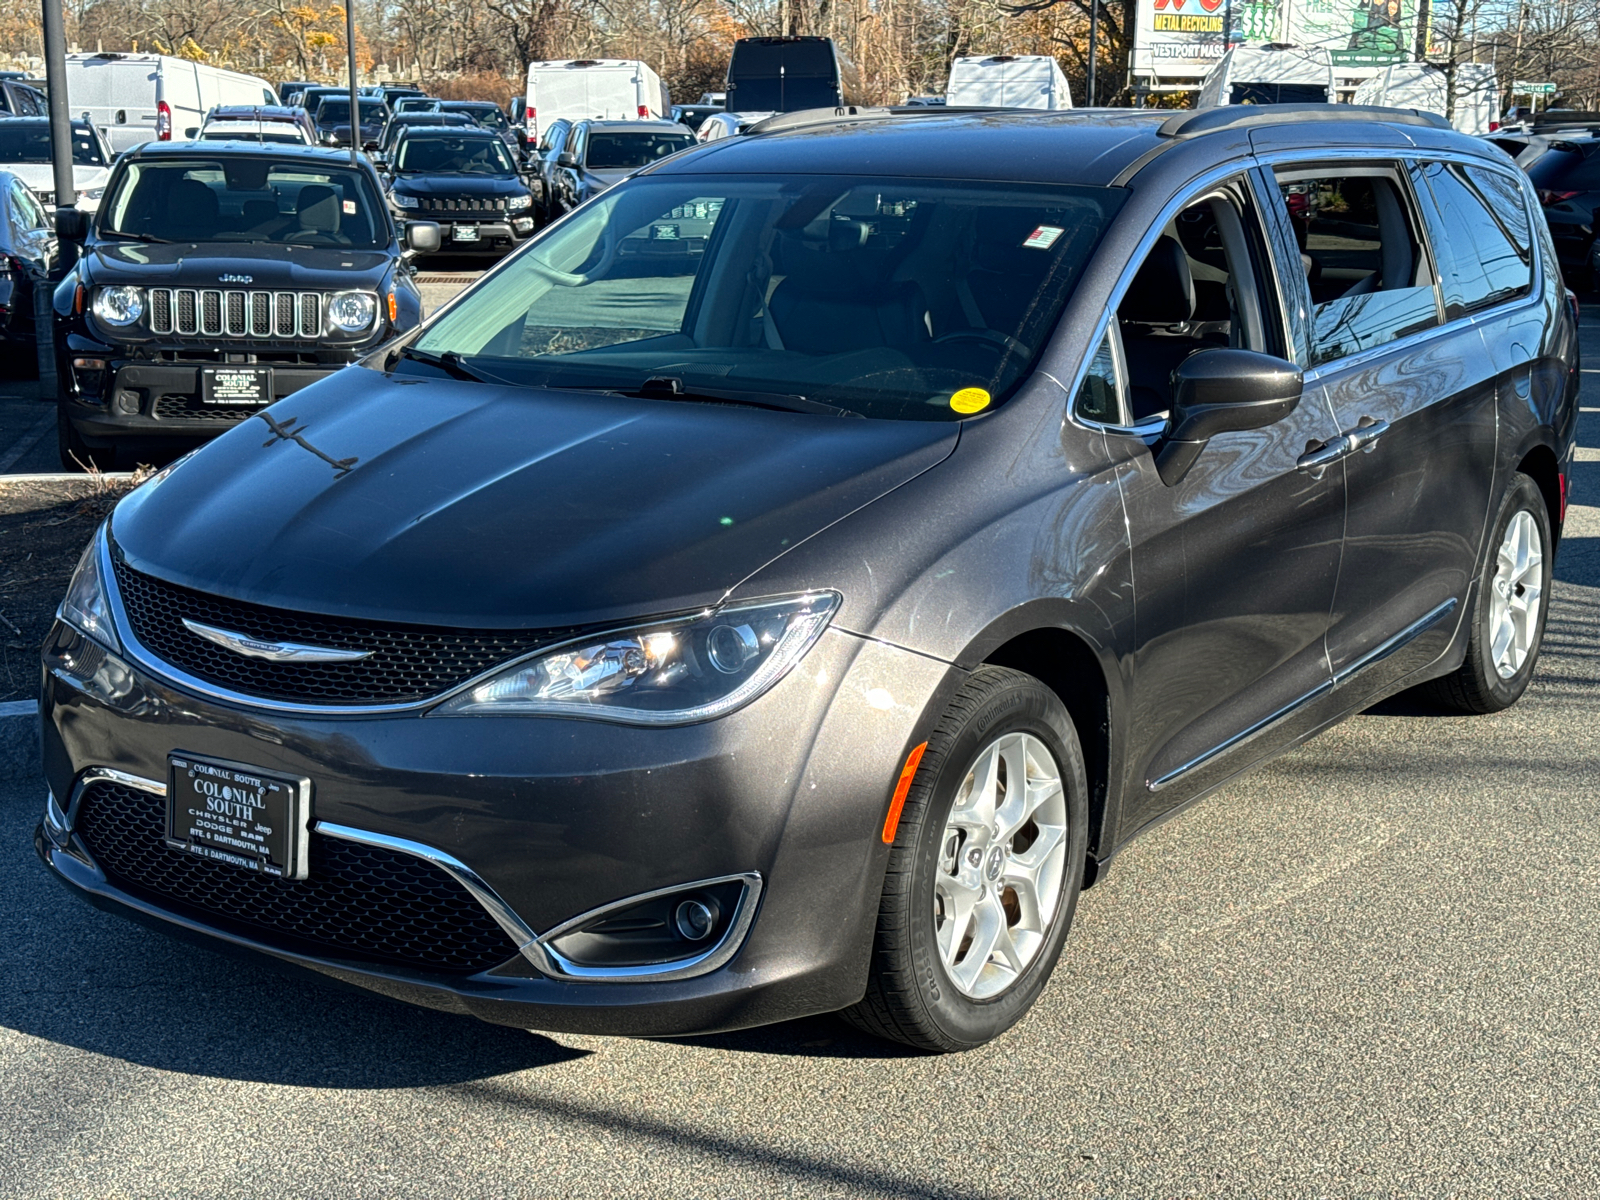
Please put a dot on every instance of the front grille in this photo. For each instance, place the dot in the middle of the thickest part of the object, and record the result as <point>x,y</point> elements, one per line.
<point>190,408</point>
<point>215,312</point>
<point>362,902</point>
<point>469,204</point>
<point>408,663</point>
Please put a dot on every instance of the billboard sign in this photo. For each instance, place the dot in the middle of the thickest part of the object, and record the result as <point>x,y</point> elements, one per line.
<point>1183,39</point>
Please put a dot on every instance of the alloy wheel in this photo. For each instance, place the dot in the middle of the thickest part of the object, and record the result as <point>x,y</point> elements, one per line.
<point>1516,594</point>
<point>1002,862</point>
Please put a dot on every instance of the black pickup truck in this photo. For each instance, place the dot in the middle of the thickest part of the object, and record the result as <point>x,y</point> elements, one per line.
<point>216,278</point>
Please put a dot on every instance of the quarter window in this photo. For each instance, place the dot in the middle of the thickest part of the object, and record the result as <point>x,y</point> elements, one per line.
<point>1478,264</point>
<point>1369,279</point>
<point>1100,395</point>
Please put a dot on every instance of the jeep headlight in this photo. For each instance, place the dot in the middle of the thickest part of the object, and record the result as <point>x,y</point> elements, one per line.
<point>401,200</point>
<point>671,672</point>
<point>351,312</point>
<point>119,306</point>
<point>518,203</point>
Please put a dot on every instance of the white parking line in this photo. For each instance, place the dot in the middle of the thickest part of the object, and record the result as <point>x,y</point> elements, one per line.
<point>28,440</point>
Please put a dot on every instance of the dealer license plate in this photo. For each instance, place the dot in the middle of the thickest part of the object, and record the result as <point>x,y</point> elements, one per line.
<point>242,387</point>
<point>466,233</point>
<point>238,814</point>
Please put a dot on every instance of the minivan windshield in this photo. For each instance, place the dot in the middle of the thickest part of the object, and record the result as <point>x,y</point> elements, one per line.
<point>897,298</point>
<point>630,151</point>
<point>242,198</point>
<point>23,141</point>
<point>425,152</point>
<point>336,112</point>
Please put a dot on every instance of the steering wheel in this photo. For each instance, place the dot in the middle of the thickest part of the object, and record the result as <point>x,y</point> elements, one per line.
<point>984,335</point>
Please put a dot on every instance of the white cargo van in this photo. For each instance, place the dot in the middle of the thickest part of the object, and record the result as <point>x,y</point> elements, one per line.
<point>1420,85</point>
<point>137,98</point>
<point>1007,81</point>
<point>1269,75</point>
<point>607,89</point>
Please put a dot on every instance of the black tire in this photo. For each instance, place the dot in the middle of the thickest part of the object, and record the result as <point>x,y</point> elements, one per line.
<point>1476,686</point>
<point>76,454</point>
<point>910,997</point>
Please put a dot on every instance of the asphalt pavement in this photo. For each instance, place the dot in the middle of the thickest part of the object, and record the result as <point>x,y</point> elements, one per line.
<point>1368,969</point>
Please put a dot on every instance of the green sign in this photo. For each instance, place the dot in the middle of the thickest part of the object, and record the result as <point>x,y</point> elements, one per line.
<point>1522,87</point>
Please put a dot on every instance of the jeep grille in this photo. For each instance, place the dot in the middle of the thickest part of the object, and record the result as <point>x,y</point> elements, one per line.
<point>214,312</point>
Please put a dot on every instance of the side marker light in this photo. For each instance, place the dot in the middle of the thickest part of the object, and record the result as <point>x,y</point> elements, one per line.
<point>892,821</point>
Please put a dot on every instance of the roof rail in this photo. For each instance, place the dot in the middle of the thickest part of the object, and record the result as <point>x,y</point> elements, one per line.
<point>1249,116</point>
<point>863,112</point>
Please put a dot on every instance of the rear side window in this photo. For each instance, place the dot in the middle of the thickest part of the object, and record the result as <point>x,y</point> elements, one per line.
<point>1368,275</point>
<point>1479,265</point>
<point>1567,170</point>
<point>1506,201</point>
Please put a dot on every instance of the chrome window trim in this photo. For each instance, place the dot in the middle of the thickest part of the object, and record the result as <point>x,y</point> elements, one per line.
<point>1192,192</point>
<point>554,964</point>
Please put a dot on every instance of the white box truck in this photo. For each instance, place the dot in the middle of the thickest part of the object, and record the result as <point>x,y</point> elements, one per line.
<point>1007,81</point>
<point>136,98</point>
<point>1269,75</point>
<point>1423,86</point>
<point>607,89</point>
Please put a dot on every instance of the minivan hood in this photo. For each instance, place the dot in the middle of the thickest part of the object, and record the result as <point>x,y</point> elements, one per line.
<point>202,264</point>
<point>450,503</point>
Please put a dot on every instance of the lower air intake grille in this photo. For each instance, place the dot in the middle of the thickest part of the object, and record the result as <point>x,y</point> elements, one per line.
<point>360,902</point>
<point>408,662</point>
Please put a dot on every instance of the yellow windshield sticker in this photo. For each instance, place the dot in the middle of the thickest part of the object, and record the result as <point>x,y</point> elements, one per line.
<point>970,400</point>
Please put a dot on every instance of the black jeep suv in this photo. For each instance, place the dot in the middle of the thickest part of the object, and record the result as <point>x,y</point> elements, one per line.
<point>217,278</point>
<point>467,181</point>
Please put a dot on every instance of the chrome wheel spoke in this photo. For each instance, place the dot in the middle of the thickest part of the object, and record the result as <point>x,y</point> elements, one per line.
<point>1516,595</point>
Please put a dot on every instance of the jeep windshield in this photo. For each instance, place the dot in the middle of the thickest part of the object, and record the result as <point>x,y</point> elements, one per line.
<point>426,153</point>
<point>244,199</point>
<point>898,298</point>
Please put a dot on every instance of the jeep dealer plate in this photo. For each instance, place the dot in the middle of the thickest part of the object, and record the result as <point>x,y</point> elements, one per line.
<point>245,387</point>
<point>238,814</point>
<point>466,233</point>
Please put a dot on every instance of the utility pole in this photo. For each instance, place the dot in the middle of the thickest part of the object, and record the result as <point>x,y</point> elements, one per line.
<point>1094,46</point>
<point>60,109</point>
<point>355,92</point>
<point>1424,21</point>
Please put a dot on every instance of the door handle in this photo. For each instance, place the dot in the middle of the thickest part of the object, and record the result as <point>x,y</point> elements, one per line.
<point>1366,434</point>
<point>1318,459</point>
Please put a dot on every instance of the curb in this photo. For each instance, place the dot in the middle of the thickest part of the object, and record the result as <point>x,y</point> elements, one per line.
<point>19,741</point>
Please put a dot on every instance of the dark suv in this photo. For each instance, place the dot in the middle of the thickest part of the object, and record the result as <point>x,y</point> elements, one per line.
<point>1567,178</point>
<point>785,583</point>
<point>466,180</point>
<point>216,278</point>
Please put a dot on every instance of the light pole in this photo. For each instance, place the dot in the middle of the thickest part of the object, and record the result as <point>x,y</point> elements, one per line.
<point>355,101</point>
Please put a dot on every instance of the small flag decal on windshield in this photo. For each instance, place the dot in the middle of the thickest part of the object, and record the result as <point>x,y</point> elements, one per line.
<point>1043,237</point>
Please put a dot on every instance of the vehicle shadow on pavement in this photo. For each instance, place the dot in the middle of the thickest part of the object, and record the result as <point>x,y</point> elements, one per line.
<point>78,977</point>
<point>811,1037</point>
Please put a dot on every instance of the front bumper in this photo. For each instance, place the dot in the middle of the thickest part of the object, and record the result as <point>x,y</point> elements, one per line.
<point>556,818</point>
<point>498,236</point>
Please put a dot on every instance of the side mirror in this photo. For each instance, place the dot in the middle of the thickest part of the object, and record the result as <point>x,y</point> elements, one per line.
<point>423,236</point>
<point>192,132</point>
<point>72,224</point>
<point>567,159</point>
<point>1223,391</point>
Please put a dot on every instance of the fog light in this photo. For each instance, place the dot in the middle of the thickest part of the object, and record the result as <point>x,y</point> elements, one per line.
<point>695,919</point>
<point>523,224</point>
<point>128,402</point>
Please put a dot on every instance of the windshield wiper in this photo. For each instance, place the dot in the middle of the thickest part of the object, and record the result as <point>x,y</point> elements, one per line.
<point>671,387</point>
<point>140,237</point>
<point>449,362</point>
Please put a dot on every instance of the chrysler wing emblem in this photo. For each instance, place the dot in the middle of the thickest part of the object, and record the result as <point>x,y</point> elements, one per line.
<point>272,651</point>
<point>236,278</point>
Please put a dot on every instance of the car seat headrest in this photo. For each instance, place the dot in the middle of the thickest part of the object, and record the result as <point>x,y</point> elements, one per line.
<point>1162,293</point>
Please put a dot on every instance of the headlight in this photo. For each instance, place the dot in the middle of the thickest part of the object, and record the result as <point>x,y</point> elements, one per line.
<point>119,305</point>
<point>85,605</point>
<point>518,203</point>
<point>401,200</point>
<point>351,312</point>
<point>666,673</point>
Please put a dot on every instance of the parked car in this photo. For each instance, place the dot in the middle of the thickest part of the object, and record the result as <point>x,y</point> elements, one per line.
<point>719,99</point>
<point>783,74</point>
<point>599,154</point>
<point>1007,81</point>
<point>136,98</point>
<point>291,91</point>
<point>401,122</point>
<point>389,93</point>
<point>483,113</point>
<point>27,256</point>
<point>552,142</point>
<point>1567,178</point>
<point>216,278</point>
<point>605,89</point>
<point>779,587</point>
<point>25,153</point>
<point>416,104</point>
<point>259,123</point>
<point>467,181</point>
<point>693,114</point>
<point>333,121</point>
<point>21,99</point>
